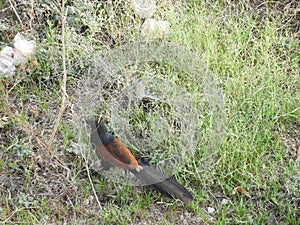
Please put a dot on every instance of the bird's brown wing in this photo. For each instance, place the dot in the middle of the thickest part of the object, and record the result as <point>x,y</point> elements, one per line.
<point>119,151</point>
<point>104,153</point>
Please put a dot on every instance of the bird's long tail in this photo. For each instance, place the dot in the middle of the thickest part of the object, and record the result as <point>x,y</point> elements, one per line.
<point>163,184</point>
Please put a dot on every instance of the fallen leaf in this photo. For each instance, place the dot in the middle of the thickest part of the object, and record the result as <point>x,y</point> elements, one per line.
<point>241,190</point>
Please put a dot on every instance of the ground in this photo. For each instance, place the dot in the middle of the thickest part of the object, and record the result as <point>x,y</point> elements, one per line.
<point>252,173</point>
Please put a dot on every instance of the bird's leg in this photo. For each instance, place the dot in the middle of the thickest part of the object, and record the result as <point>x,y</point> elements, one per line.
<point>138,168</point>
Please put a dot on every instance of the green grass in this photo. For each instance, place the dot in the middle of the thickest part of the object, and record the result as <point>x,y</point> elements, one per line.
<point>256,63</point>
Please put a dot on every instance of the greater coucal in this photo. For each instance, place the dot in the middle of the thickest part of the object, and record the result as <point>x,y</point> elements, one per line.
<point>114,153</point>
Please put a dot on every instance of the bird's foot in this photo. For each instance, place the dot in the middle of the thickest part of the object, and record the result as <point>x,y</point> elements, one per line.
<point>139,168</point>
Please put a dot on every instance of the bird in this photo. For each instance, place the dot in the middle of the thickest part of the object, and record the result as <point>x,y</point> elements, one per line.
<point>114,153</point>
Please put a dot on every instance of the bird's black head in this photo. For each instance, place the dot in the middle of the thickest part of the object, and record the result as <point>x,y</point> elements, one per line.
<point>99,132</point>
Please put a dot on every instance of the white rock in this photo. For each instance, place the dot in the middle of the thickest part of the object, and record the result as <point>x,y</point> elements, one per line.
<point>23,49</point>
<point>23,45</point>
<point>7,66</point>
<point>155,29</point>
<point>144,8</point>
<point>224,201</point>
<point>210,210</point>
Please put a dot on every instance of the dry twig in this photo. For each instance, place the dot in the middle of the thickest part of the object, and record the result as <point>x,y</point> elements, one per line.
<point>64,82</point>
<point>16,13</point>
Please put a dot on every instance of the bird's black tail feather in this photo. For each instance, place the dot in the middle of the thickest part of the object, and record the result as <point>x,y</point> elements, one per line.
<point>163,184</point>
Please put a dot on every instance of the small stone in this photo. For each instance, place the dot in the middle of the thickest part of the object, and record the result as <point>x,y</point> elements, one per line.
<point>210,210</point>
<point>88,200</point>
<point>224,201</point>
<point>153,29</point>
<point>144,8</point>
